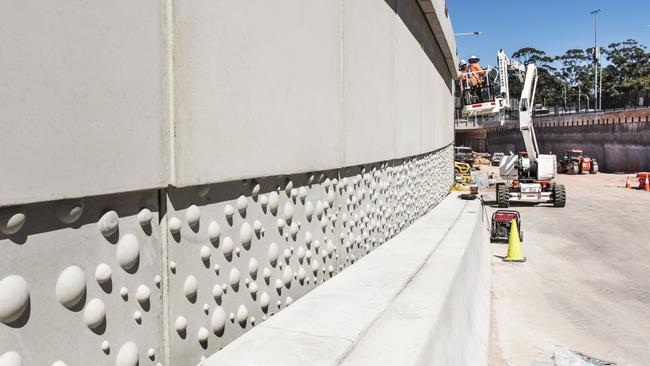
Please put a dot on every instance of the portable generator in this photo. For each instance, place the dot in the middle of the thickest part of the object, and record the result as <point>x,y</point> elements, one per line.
<point>501,222</point>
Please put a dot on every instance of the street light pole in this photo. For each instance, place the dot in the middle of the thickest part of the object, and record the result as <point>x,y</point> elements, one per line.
<point>469,34</point>
<point>597,100</point>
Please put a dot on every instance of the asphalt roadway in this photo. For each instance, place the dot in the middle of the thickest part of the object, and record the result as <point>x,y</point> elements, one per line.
<point>586,281</point>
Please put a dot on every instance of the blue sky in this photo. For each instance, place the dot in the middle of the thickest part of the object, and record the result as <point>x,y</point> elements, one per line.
<point>550,25</point>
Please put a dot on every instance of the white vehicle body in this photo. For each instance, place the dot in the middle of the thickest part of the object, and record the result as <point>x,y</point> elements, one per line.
<point>529,176</point>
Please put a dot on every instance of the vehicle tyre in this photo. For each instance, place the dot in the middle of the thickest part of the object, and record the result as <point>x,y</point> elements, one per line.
<point>594,168</point>
<point>575,169</point>
<point>559,195</point>
<point>503,196</point>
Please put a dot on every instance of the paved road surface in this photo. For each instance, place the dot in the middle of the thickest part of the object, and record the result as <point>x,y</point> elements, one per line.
<point>586,283</point>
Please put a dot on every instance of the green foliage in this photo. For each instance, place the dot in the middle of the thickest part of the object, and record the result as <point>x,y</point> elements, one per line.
<point>625,73</point>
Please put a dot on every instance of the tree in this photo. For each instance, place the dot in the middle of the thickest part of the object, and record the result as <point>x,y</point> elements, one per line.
<point>574,66</point>
<point>625,77</point>
<point>549,87</point>
<point>527,55</point>
<point>628,74</point>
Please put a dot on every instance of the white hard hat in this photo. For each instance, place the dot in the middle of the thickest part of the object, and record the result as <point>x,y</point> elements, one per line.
<point>463,62</point>
<point>473,58</point>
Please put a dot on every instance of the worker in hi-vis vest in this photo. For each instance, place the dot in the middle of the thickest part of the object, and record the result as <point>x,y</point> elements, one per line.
<point>476,72</point>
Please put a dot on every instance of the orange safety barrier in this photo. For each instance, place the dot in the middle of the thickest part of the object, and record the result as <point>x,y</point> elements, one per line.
<point>644,180</point>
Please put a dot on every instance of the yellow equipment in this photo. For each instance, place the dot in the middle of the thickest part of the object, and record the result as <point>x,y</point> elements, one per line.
<point>461,168</point>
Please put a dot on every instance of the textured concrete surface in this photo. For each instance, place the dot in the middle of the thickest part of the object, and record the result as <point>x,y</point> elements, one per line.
<point>585,284</point>
<point>49,243</point>
<point>315,229</point>
<point>171,276</point>
<point>420,299</point>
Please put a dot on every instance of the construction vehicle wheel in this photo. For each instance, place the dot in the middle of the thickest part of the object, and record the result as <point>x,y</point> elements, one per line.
<point>559,195</point>
<point>503,196</point>
<point>575,169</point>
<point>594,169</point>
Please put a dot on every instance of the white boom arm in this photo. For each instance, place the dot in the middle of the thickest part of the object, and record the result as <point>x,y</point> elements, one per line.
<point>505,64</point>
<point>526,104</point>
<point>536,166</point>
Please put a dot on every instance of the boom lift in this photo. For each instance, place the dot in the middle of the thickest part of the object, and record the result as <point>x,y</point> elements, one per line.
<point>529,176</point>
<point>494,97</point>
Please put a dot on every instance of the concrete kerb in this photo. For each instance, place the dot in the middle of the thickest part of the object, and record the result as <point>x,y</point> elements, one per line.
<point>421,298</point>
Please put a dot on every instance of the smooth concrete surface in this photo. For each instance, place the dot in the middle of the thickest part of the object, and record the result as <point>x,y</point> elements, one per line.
<point>585,282</point>
<point>344,73</point>
<point>257,88</point>
<point>102,99</point>
<point>438,17</point>
<point>81,98</point>
<point>421,298</point>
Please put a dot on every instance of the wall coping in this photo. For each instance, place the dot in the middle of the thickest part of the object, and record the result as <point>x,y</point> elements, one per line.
<point>437,15</point>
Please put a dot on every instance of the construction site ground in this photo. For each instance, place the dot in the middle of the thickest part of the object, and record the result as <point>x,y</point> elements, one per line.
<point>586,281</point>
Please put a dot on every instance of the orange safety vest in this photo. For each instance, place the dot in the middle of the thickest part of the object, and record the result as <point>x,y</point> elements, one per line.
<point>476,74</point>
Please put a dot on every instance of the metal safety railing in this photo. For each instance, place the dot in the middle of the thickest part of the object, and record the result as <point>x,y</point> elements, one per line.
<point>479,87</point>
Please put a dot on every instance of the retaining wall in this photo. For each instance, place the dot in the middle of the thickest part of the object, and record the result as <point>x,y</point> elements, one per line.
<point>176,172</point>
<point>620,141</point>
<point>423,298</point>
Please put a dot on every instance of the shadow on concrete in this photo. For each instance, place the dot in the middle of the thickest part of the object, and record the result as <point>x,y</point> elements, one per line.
<point>411,14</point>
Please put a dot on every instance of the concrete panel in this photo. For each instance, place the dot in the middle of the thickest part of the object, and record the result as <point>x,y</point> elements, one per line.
<point>437,113</point>
<point>369,105</point>
<point>257,88</point>
<point>409,89</point>
<point>410,12</point>
<point>114,245</point>
<point>437,15</point>
<point>81,99</point>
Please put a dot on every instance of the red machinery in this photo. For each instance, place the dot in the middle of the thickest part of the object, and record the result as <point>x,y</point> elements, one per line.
<point>501,222</point>
<point>574,162</point>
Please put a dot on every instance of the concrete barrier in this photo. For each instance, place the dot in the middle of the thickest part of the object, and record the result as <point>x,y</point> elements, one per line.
<point>422,298</point>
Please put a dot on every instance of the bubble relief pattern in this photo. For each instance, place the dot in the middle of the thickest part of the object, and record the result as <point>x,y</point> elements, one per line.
<point>134,278</point>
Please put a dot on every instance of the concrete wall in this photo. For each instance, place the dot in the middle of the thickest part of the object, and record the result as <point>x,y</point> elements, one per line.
<point>344,73</point>
<point>618,147</point>
<point>82,99</point>
<point>174,275</point>
<point>422,298</point>
<point>145,147</point>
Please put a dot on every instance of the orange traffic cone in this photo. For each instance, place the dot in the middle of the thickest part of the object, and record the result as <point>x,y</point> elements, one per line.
<point>646,187</point>
<point>515,254</point>
<point>627,182</point>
